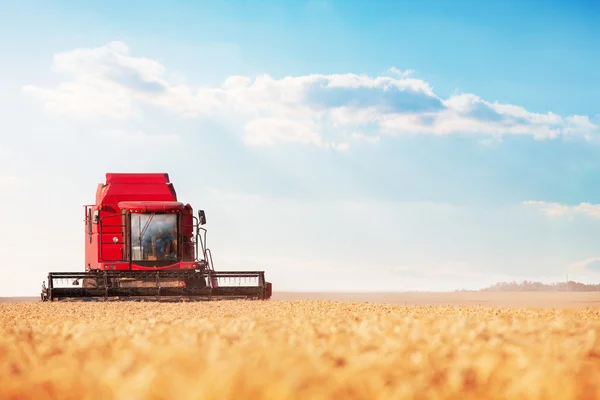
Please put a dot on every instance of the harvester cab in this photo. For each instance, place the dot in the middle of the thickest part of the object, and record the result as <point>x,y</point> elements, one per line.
<point>141,243</point>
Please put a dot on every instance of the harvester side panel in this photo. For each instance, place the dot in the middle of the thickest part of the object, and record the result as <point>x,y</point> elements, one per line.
<point>112,244</point>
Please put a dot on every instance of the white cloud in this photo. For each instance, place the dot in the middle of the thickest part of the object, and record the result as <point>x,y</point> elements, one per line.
<point>85,100</point>
<point>340,146</point>
<point>312,109</point>
<point>266,131</point>
<point>9,180</point>
<point>140,138</point>
<point>582,269</point>
<point>560,210</point>
<point>402,74</point>
<point>580,124</point>
<point>364,137</point>
<point>4,154</point>
<point>583,265</point>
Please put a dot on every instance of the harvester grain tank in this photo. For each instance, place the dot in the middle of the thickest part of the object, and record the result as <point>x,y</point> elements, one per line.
<point>141,243</point>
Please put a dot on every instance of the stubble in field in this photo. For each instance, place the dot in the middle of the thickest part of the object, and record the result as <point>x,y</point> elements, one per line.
<point>296,349</point>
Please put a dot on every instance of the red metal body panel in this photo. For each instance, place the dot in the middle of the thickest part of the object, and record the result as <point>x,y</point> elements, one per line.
<point>107,221</point>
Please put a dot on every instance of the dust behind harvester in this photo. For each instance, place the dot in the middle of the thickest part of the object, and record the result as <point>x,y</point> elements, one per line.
<point>141,243</point>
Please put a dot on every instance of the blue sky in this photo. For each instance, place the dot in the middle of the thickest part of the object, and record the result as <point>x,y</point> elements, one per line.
<point>436,145</point>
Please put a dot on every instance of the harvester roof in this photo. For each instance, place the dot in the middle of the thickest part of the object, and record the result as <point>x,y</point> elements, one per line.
<point>135,187</point>
<point>144,178</point>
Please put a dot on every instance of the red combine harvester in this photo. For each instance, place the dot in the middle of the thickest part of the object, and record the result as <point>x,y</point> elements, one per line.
<point>141,243</point>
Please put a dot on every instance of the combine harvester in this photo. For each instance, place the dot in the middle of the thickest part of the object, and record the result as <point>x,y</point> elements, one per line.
<point>141,243</point>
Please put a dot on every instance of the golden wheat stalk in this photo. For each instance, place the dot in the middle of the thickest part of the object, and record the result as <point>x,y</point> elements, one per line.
<point>296,350</point>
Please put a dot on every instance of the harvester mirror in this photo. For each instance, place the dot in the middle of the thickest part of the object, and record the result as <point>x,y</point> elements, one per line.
<point>201,217</point>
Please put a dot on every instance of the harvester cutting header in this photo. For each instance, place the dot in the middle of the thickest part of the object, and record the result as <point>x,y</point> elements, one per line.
<point>142,243</point>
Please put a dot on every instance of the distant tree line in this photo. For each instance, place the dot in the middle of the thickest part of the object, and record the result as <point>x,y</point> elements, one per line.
<point>530,286</point>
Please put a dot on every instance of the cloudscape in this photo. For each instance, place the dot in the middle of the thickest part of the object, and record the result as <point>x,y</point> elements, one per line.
<point>335,146</point>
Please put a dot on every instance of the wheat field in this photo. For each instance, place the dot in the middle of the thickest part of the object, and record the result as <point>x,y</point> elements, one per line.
<point>292,349</point>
